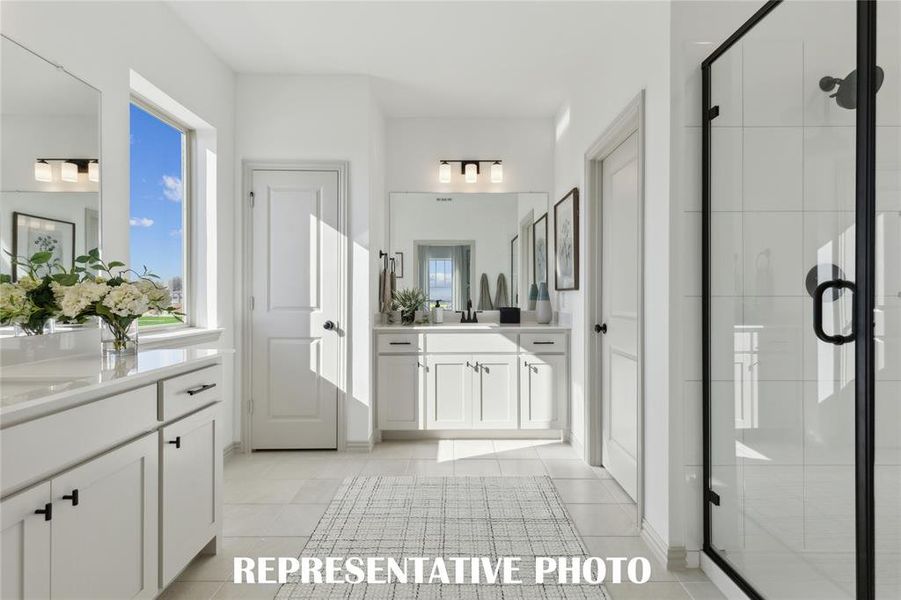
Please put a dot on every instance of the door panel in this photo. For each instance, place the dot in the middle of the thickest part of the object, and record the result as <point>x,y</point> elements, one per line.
<point>295,361</point>
<point>25,564</point>
<point>620,369</point>
<point>399,391</point>
<point>449,391</point>
<point>542,391</point>
<point>494,392</point>
<point>105,546</point>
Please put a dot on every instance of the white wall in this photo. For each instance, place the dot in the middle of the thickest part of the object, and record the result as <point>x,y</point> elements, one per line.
<point>415,145</point>
<point>327,118</point>
<point>91,40</point>
<point>643,37</point>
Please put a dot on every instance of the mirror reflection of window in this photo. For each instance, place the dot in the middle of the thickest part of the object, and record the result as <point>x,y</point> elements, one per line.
<point>444,274</point>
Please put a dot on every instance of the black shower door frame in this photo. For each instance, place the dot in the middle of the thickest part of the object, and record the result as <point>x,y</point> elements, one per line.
<point>864,296</point>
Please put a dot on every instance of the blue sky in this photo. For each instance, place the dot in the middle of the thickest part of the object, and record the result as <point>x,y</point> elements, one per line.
<point>156,195</point>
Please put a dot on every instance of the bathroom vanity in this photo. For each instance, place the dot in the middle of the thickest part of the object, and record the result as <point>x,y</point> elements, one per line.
<point>111,472</point>
<point>483,378</point>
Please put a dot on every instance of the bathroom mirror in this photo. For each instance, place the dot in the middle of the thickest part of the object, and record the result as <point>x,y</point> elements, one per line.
<point>457,247</point>
<point>50,149</point>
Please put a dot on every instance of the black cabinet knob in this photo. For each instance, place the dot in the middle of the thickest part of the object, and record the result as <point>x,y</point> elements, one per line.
<point>328,325</point>
<point>73,497</point>
<point>600,328</point>
<point>47,511</point>
<point>176,442</point>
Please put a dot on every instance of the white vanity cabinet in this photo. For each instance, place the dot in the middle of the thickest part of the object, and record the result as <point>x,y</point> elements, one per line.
<point>458,379</point>
<point>96,501</point>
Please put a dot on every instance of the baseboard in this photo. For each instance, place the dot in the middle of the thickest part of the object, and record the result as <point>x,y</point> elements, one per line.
<point>364,446</point>
<point>674,557</point>
<point>474,434</point>
<point>233,448</point>
<point>693,559</point>
<point>722,581</point>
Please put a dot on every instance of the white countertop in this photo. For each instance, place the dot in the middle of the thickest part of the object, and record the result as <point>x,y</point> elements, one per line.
<point>473,327</point>
<point>34,389</point>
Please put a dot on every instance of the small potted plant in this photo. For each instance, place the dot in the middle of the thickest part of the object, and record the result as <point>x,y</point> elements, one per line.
<point>408,301</point>
<point>107,291</point>
<point>29,303</point>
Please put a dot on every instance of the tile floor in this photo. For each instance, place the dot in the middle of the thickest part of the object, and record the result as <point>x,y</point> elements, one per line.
<point>273,501</point>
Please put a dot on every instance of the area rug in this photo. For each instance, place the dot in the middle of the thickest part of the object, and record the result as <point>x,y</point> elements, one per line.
<point>403,517</point>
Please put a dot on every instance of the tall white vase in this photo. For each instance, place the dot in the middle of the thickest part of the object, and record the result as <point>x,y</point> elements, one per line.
<point>543,310</point>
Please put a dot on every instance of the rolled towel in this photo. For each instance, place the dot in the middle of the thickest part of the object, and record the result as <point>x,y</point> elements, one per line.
<point>501,297</point>
<point>484,294</point>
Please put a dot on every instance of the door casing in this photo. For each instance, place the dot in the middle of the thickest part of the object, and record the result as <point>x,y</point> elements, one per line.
<point>344,289</point>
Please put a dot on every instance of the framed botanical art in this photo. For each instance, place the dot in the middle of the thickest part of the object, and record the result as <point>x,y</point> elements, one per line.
<point>566,242</point>
<point>539,249</point>
<point>32,234</point>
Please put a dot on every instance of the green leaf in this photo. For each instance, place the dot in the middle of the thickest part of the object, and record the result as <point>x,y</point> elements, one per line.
<point>82,259</point>
<point>66,278</point>
<point>4,278</point>
<point>115,263</point>
<point>40,258</point>
<point>94,253</point>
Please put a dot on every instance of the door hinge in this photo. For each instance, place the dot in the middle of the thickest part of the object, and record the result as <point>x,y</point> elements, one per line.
<point>713,497</point>
<point>252,201</point>
<point>253,303</point>
<point>250,406</point>
<point>714,112</point>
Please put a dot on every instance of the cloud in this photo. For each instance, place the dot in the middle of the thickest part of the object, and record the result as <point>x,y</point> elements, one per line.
<point>172,188</point>
<point>140,222</point>
<point>175,232</point>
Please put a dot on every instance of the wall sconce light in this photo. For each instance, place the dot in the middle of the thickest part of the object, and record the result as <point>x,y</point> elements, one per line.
<point>470,169</point>
<point>69,168</point>
<point>497,172</point>
<point>444,172</point>
<point>43,171</point>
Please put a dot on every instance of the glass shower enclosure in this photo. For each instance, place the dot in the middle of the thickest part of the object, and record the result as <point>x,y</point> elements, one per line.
<point>802,301</point>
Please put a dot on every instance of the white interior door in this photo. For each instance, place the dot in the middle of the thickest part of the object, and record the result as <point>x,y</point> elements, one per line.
<point>620,281</point>
<point>295,361</point>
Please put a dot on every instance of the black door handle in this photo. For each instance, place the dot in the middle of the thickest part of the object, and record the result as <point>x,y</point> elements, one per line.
<point>73,497</point>
<point>600,328</point>
<point>328,325</point>
<point>176,441</point>
<point>47,511</point>
<point>838,284</point>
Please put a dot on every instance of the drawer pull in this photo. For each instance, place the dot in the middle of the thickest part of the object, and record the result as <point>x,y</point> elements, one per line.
<point>73,497</point>
<point>399,343</point>
<point>201,388</point>
<point>176,441</point>
<point>539,343</point>
<point>47,511</point>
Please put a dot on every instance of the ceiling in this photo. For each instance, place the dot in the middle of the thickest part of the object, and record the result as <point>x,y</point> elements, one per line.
<point>427,59</point>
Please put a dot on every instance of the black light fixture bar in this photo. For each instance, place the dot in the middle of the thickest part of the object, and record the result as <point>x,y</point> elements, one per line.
<point>82,163</point>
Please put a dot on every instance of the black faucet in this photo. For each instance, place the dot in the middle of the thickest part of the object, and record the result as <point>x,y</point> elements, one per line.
<point>469,315</point>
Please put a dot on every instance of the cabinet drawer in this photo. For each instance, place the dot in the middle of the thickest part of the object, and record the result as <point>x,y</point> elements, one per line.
<point>32,450</point>
<point>186,393</point>
<point>469,342</point>
<point>543,343</point>
<point>399,343</point>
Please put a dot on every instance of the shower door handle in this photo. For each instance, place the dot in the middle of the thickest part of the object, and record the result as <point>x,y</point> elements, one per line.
<point>818,294</point>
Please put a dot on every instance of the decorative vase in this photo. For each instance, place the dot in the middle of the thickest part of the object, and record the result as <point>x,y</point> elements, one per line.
<point>533,296</point>
<point>35,328</point>
<point>421,317</point>
<point>394,317</point>
<point>543,305</point>
<point>119,337</point>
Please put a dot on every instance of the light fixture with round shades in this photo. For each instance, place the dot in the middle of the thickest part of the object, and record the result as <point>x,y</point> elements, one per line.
<point>94,171</point>
<point>444,172</point>
<point>69,172</point>
<point>43,171</point>
<point>497,172</point>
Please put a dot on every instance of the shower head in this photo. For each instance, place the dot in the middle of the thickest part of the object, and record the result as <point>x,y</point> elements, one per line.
<point>846,94</point>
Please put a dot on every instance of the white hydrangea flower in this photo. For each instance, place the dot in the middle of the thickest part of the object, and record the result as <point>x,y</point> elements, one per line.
<point>14,303</point>
<point>157,295</point>
<point>73,299</point>
<point>126,300</point>
<point>28,283</point>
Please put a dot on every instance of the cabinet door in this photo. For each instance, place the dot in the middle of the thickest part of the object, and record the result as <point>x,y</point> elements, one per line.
<point>191,480</point>
<point>25,550</point>
<point>400,391</point>
<point>494,394</point>
<point>449,391</point>
<point>542,391</point>
<point>105,523</point>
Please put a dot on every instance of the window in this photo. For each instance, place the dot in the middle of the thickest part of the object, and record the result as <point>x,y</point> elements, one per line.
<point>159,204</point>
<point>441,281</point>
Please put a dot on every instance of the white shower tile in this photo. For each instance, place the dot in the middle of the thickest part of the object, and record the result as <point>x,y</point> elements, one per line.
<point>829,509</point>
<point>772,164</point>
<point>825,362</point>
<point>829,168</point>
<point>725,334</point>
<point>726,408</point>
<point>726,87</point>
<point>829,422</point>
<point>691,339</point>
<point>772,254</point>
<point>690,278</point>
<point>686,171</point>
<point>773,76</point>
<point>773,330</point>
<point>725,168</point>
<point>691,423</point>
<point>888,168</point>
<point>832,55</point>
<point>829,239</point>
<point>771,423</point>
<point>726,266</point>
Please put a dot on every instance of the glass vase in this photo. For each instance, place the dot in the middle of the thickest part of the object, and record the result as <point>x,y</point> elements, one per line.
<point>119,337</point>
<point>41,328</point>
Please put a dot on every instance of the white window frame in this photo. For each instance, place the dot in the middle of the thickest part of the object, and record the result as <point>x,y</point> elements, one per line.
<point>188,147</point>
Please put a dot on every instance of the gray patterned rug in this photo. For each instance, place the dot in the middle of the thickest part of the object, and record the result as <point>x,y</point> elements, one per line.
<point>445,517</point>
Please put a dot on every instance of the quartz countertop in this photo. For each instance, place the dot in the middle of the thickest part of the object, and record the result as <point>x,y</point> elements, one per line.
<point>474,327</point>
<point>35,389</point>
